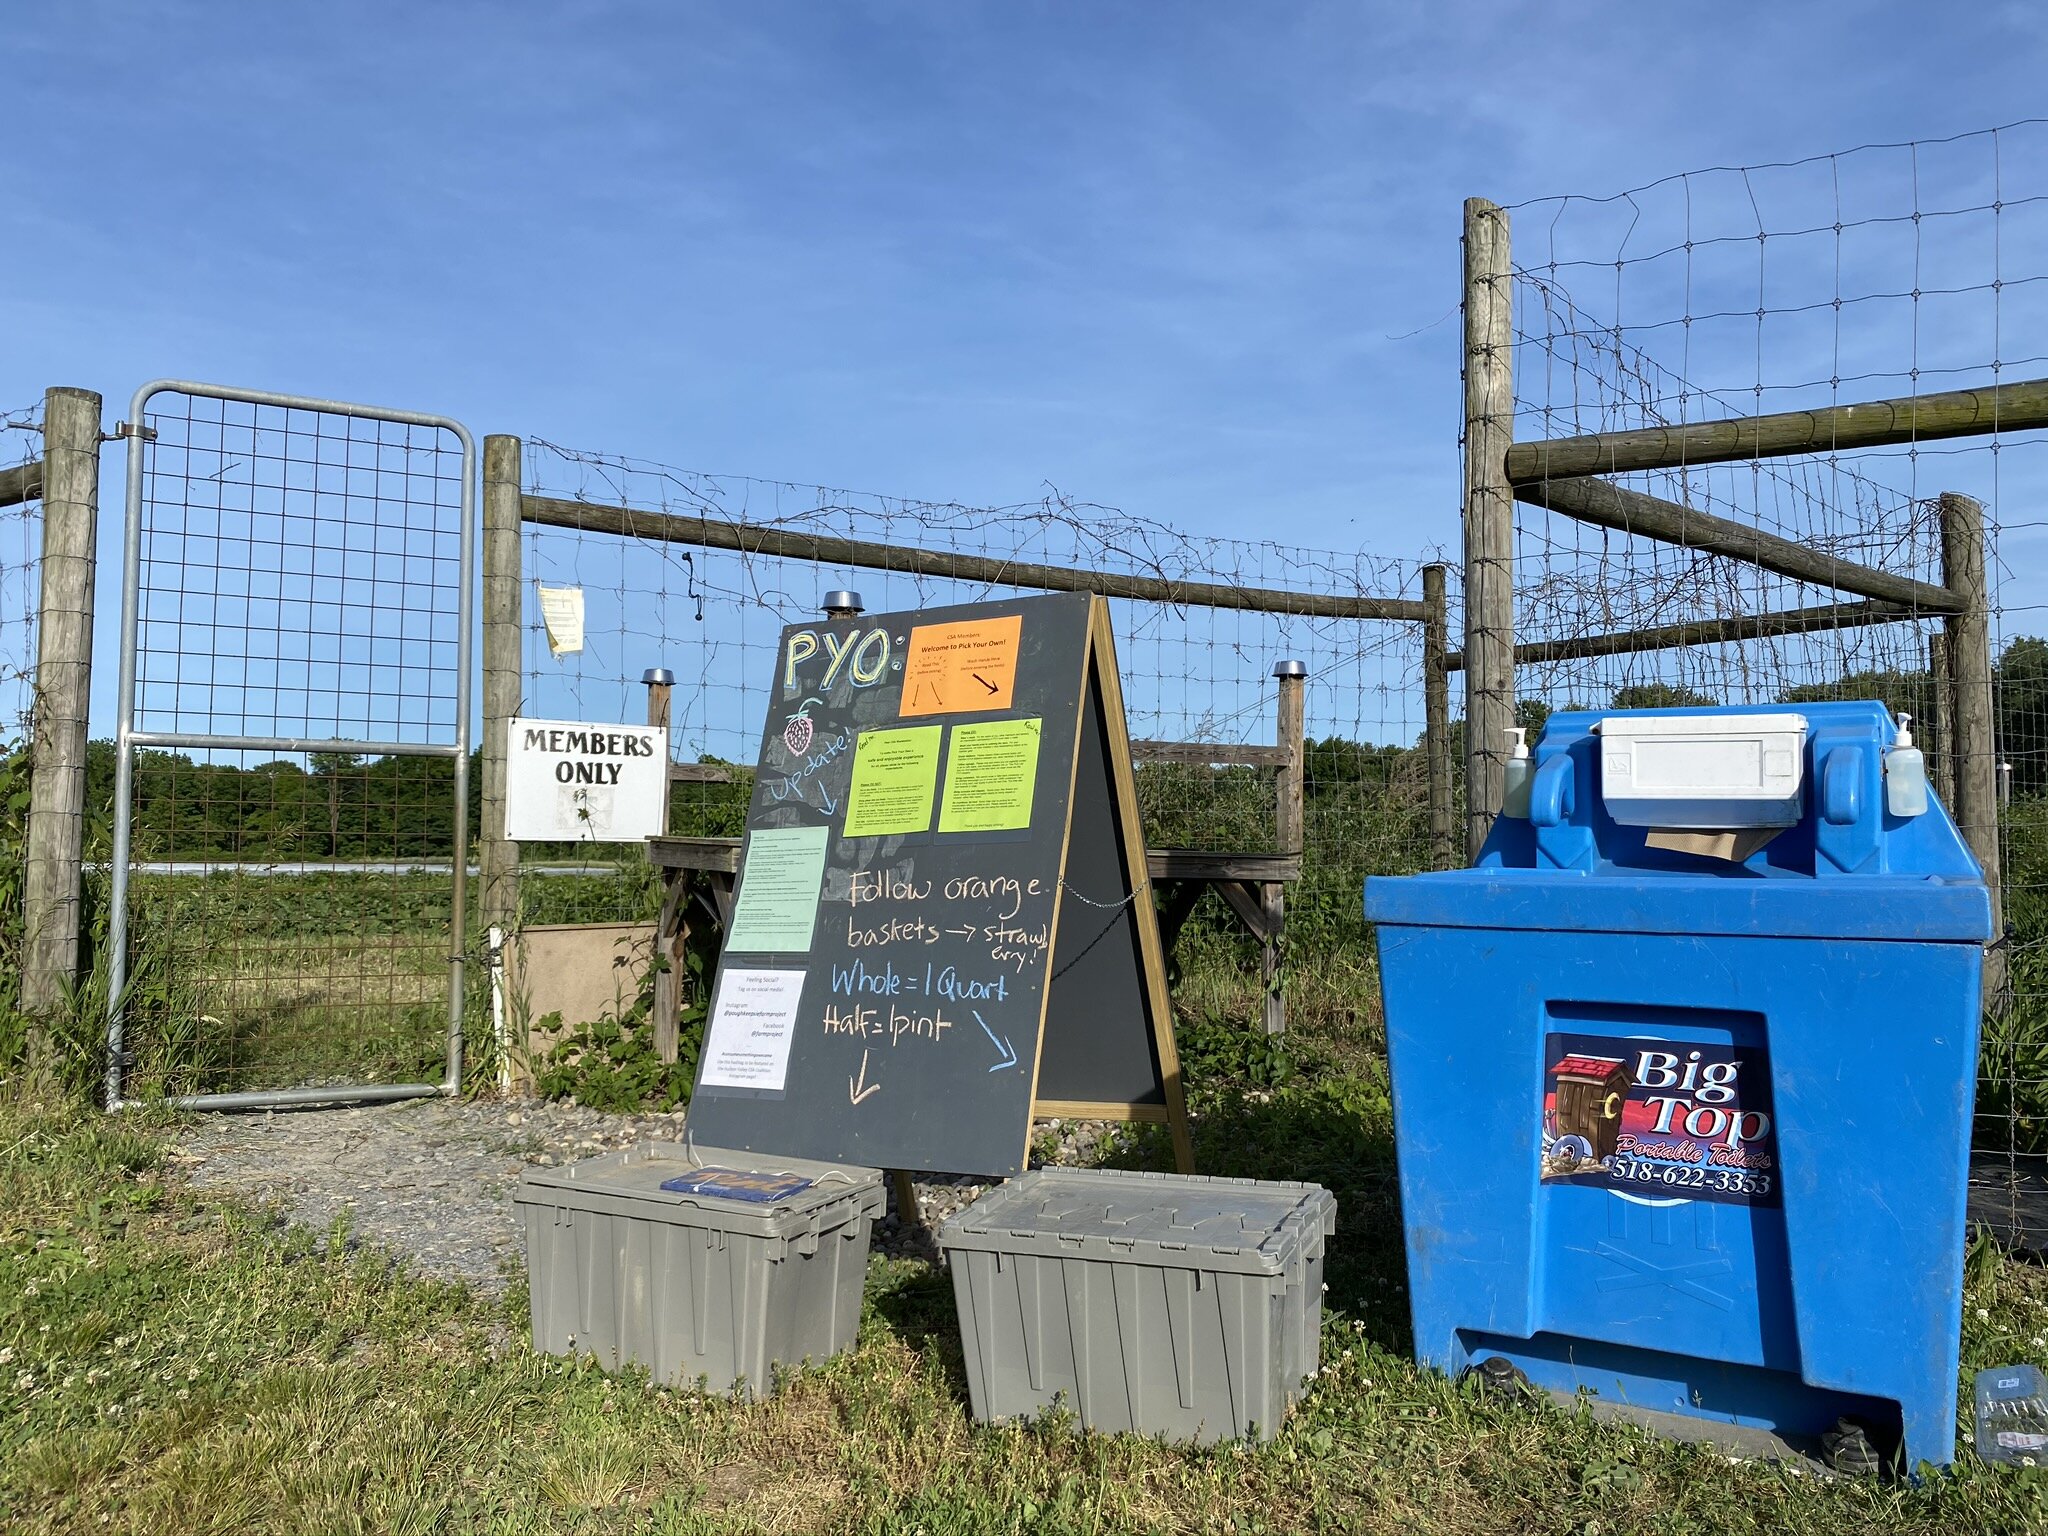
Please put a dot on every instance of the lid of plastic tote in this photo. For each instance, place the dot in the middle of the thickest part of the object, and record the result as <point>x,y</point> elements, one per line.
<point>713,1187</point>
<point>1238,1226</point>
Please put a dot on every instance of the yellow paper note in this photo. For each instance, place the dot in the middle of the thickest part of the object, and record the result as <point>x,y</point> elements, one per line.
<point>895,778</point>
<point>952,669</point>
<point>991,772</point>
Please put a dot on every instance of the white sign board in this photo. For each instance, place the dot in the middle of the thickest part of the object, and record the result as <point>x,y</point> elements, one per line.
<point>746,1044</point>
<point>568,782</point>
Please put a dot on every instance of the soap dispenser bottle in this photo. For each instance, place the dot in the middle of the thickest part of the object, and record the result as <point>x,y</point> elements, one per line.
<point>1905,774</point>
<point>1514,788</point>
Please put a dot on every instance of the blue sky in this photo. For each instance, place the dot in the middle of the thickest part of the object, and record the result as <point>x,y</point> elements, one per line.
<point>1169,257</point>
<point>1199,261</point>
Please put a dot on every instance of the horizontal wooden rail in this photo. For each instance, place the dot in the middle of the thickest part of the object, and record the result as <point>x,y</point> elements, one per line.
<point>1761,626</point>
<point>2018,407</point>
<point>24,482</point>
<point>1203,753</point>
<point>716,533</point>
<point>1207,865</point>
<point>1616,506</point>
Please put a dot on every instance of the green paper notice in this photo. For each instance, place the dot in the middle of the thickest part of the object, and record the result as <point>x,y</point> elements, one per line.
<point>991,773</point>
<point>895,778</point>
<point>779,886</point>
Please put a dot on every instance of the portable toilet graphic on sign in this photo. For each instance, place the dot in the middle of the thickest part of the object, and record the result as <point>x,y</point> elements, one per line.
<point>1582,1121</point>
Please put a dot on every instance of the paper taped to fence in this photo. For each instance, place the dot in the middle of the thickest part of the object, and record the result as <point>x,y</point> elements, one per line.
<point>561,610</point>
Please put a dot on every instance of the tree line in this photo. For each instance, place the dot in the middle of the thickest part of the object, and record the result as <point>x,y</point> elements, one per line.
<point>344,806</point>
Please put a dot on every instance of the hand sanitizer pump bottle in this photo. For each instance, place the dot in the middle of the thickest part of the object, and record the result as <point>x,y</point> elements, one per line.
<point>1905,774</point>
<point>1514,797</point>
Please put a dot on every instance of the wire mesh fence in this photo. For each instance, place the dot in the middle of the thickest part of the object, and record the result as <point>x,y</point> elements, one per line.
<point>21,542</point>
<point>1887,271</point>
<point>290,908</point>
<point>1192,672</point>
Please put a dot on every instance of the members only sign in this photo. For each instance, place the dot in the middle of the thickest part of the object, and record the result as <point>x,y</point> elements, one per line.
<point>567,782</point>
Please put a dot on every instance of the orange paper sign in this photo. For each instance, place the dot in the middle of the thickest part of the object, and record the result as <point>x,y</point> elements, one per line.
<point>954,668</point>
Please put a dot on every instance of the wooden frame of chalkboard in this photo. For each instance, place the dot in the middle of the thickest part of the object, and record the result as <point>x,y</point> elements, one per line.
<point>943,926</point>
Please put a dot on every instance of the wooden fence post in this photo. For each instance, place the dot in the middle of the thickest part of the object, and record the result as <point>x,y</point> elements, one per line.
<point>63,687</point>
<point>1489,515</point>
<point>1290,733</point>
<point>660,683</point>
<point>1974,749</point>
<point>666,1014</point>
<point>1436,714</point>
<point>497,856</point>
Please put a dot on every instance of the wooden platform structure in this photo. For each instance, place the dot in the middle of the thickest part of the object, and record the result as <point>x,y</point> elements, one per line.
<point>699,873</point>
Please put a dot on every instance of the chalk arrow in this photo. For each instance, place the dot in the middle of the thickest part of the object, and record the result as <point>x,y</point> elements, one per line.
<point>1009,1051</point>
<point>854,1094</point>
<point>991,687</point>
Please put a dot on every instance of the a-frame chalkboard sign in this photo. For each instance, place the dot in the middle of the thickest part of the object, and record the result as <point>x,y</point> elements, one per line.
<point>943,923</point>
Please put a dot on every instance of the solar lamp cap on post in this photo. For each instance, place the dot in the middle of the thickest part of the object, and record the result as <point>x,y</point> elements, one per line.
<point>843,605</point>
<point>659,681</point>
<point>1290,669</point>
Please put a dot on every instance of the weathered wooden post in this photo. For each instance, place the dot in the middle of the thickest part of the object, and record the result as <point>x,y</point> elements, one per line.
<point>497,856</point>
<point>660,684</point>
<point>1291,822</point>
<point>1291,732</point>
<point>1436,714</point>
<point>63,687</point>
<point>1489,515</point>
<point>668,924</point>
<point>1974,753</point>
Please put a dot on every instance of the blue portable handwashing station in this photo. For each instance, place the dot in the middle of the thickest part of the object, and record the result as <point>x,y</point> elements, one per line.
<point>1683,1071</point>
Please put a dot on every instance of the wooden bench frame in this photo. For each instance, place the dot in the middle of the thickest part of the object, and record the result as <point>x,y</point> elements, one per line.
<point>1252,885</point>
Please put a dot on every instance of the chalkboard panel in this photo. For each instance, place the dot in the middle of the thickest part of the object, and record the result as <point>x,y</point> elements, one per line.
<point>941,841</point>
<point>1098,981</point>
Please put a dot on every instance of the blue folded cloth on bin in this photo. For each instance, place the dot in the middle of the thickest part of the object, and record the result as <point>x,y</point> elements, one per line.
<point>735,1184</point>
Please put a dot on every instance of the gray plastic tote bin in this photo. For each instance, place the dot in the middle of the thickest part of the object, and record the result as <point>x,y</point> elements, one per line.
<point>1185,1307</point>
<point>695,1285</point>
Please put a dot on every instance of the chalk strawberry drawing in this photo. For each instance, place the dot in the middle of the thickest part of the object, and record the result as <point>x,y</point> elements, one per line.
<point>797,734</point>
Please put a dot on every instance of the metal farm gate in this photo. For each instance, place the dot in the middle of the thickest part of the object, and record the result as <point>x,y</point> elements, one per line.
<point>292,773</point>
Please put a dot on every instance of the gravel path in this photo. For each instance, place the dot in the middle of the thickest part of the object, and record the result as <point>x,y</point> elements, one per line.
<point>432,1179</point>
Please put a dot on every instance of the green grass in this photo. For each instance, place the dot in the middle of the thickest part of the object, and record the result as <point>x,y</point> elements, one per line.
<point>173,1364</point>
